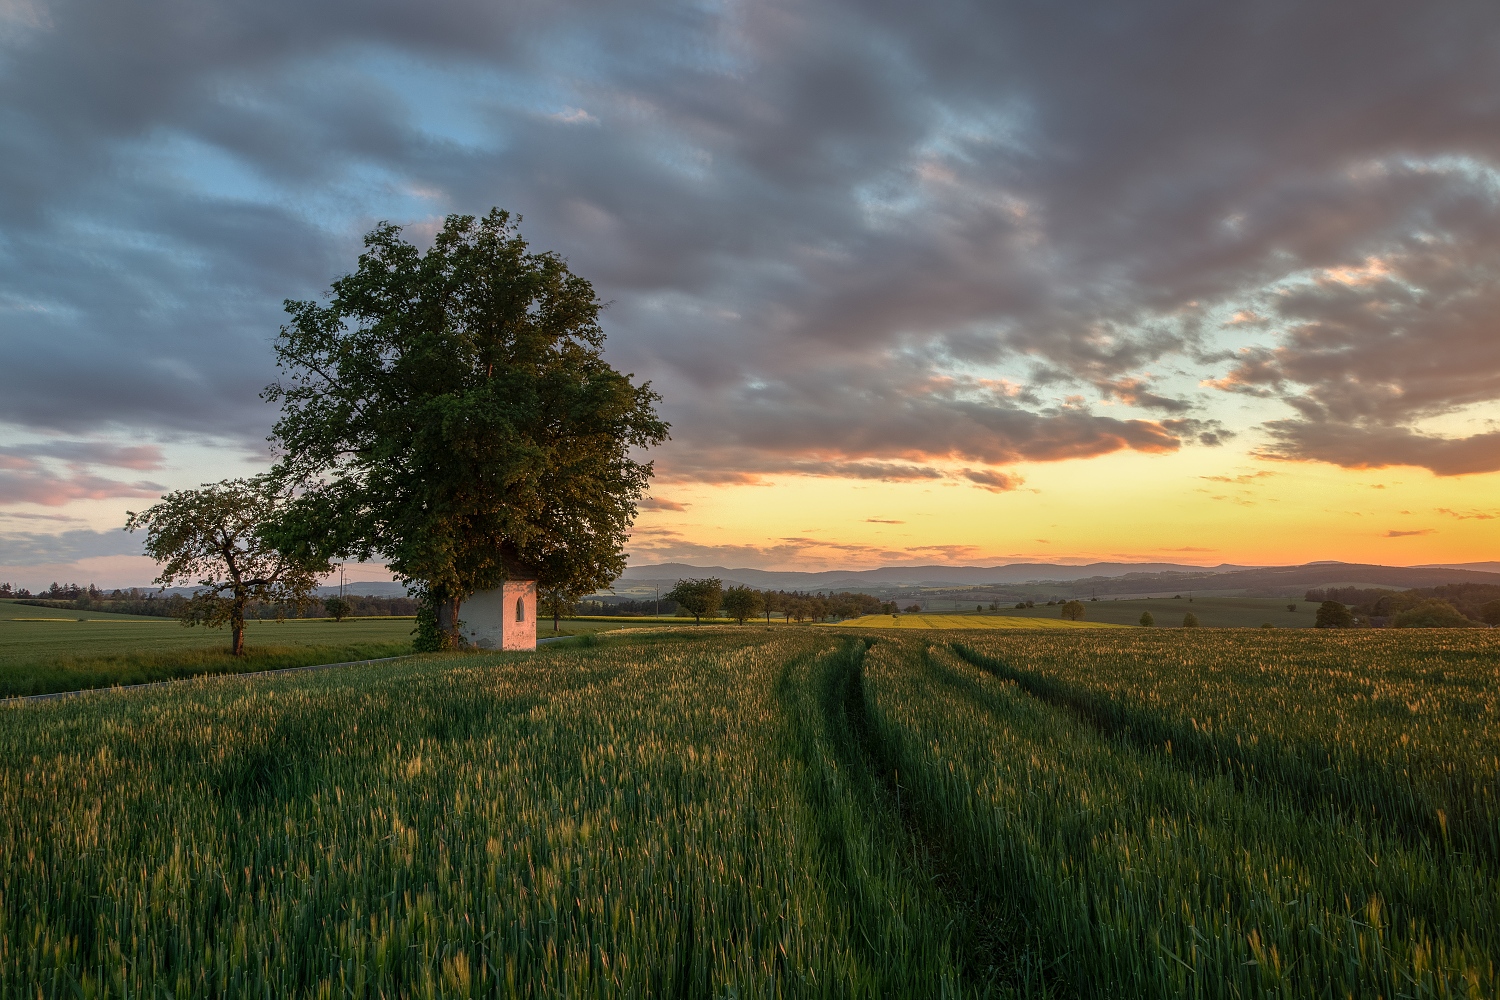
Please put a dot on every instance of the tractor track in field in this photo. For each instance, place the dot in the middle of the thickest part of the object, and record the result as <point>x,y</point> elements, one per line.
<point>984,929</point>
<point>1277,771</point>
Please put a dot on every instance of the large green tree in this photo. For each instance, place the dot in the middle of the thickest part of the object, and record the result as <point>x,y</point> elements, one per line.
<point>216,537</point>
<point>450,411</point>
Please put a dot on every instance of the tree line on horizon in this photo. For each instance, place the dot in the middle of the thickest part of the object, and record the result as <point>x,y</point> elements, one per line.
<point>1454,605</point>
<point>156,604</point>
<point>706,597</point>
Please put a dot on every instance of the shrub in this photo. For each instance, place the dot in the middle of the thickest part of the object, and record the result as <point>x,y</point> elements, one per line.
<point>1189,620</point>
<point>1147,620</point>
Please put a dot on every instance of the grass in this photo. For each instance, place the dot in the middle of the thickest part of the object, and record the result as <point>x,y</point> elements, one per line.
<point>594,624</point>
<point>775,812</point>
<point>965,622</point>
<point>66,654</point>
<point>12,611</point>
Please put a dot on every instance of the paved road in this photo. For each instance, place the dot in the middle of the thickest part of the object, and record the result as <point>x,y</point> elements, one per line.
<point>18,699</point>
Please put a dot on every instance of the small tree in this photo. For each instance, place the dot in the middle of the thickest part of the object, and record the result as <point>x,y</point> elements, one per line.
<point>213,536</point>
<point>1147,620</point>
<point>914,609</point>
<point>1073,611</point>
<point>1291,607</point>
<point>338,609</point>
<point>1189,620</point>
<point>1332,614</point>
<point>741,602</point>
<point>556,602</point>
<point>770,602</point>
<point>697,597</point>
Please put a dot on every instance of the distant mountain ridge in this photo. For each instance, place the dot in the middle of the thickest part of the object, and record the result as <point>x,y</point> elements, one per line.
<point>1098,578</point>
<point>917,576</point>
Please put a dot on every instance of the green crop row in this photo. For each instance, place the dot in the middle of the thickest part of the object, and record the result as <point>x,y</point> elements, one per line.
<point>1154,876</point>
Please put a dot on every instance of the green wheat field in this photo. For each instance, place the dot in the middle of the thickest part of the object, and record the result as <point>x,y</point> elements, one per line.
<point>44,650</point>
<point>743,812</point>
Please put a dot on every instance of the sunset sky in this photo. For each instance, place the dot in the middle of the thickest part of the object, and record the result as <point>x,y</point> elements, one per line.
<point>940,283</point>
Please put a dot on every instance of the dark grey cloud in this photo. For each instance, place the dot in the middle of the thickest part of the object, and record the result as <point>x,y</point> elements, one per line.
<point>828,230</point>
<point>20,548</point>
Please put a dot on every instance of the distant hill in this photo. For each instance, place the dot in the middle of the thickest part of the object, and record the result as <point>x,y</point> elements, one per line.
<point>911,576</point>
<point>1483,567</point>
<point>1092,579</point>
<point>1283,581</point>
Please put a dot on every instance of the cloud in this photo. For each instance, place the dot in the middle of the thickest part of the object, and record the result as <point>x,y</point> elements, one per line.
<point>26,516</point>
<point>83,453</point>
<point>1379,446</point>
<point>1134,390</point>
<point>843,239</point>
<point>800,552</point>
<point>655,503</point>
<point>882,520</point>
<point>1403,534</point>
<point>1469,515</point>
<point>20,549</point>
<point>995,482</point>
<point>1243,478</point>
<point>52,490</point>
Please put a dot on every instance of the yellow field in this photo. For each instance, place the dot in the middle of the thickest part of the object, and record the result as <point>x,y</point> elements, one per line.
<point>966,621</point>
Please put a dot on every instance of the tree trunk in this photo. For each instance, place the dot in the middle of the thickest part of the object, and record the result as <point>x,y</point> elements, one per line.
<point>237,627</point>
<point>447,615</point>
<point>455,637</point>
<point>556,615</point>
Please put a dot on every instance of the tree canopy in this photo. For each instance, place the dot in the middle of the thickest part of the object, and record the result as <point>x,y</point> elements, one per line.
<point>741,602</point>
<point>698,598</point>
<point>451,412</point>
<point>214,537</point>
<point>1332,614</point>
<point>1431,613</point>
